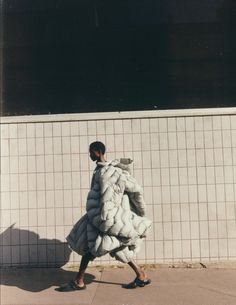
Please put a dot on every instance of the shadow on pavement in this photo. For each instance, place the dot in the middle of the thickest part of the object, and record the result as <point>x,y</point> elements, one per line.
<point>26,249</point>
<point>106,282</point>
<point>37,279</point>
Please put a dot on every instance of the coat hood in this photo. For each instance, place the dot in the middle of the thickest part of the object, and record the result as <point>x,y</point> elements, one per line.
<point>123,163</point>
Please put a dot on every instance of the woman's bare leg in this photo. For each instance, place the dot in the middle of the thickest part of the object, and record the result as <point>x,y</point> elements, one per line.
<point>83,266</point>
<point>139,272</point>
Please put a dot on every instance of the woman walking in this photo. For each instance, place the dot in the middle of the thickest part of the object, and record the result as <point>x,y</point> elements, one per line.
<point>115,221</point>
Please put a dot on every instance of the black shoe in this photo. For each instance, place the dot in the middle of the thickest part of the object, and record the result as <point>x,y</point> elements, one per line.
<point>137,283</point>
<point>71,286</point>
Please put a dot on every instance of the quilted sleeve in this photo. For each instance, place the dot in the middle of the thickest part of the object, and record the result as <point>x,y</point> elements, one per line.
<point>135,193</point>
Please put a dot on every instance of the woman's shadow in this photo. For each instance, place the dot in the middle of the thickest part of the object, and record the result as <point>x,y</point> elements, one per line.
<point>26,249</point>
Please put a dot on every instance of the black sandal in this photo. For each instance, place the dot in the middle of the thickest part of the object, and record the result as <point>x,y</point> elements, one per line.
<point>137,283</point>
<point>71,286</point>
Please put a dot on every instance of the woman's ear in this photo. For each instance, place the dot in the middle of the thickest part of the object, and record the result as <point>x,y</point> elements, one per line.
<point>97,153</point>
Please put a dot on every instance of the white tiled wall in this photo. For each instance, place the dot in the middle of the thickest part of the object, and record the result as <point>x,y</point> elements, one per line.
<point>186,163</point>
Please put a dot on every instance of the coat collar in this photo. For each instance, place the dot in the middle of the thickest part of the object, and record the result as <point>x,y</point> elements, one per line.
<point>101,164</point>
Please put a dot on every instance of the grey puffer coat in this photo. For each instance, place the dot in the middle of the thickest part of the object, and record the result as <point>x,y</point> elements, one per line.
<point>115,221</point>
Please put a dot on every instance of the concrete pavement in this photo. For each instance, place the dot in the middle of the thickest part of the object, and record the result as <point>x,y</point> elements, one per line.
<point>170,286</point>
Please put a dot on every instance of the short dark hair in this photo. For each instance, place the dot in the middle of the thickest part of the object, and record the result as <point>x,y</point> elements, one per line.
<point>98,146</point>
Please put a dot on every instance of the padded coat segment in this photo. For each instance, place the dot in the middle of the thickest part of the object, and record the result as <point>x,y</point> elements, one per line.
<point>115,221</point>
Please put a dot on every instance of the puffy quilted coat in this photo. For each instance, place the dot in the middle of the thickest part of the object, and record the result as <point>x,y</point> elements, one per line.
<point>115,221</point>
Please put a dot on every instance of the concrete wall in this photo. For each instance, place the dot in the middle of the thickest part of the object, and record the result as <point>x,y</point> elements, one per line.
<point>185,160</point>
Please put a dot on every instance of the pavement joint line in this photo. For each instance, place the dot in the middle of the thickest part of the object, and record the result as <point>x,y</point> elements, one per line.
<point>97,287</point>
<point>217,291</point>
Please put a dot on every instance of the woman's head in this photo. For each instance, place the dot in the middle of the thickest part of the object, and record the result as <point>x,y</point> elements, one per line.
<point>97,150</point>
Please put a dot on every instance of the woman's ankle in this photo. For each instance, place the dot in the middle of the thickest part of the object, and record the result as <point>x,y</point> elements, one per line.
<point>142,275</point>
<point>80,282</point>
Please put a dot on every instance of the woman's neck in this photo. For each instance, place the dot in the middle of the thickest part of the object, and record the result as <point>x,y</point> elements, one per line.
<point>102,159</point>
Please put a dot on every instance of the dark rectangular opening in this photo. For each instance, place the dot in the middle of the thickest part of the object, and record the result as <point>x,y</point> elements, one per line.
<point>65,56</point>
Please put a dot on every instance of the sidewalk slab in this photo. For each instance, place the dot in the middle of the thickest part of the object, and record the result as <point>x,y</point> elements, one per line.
<point>104,287</point>
<point>37,287</point>
<point>170,287</point>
